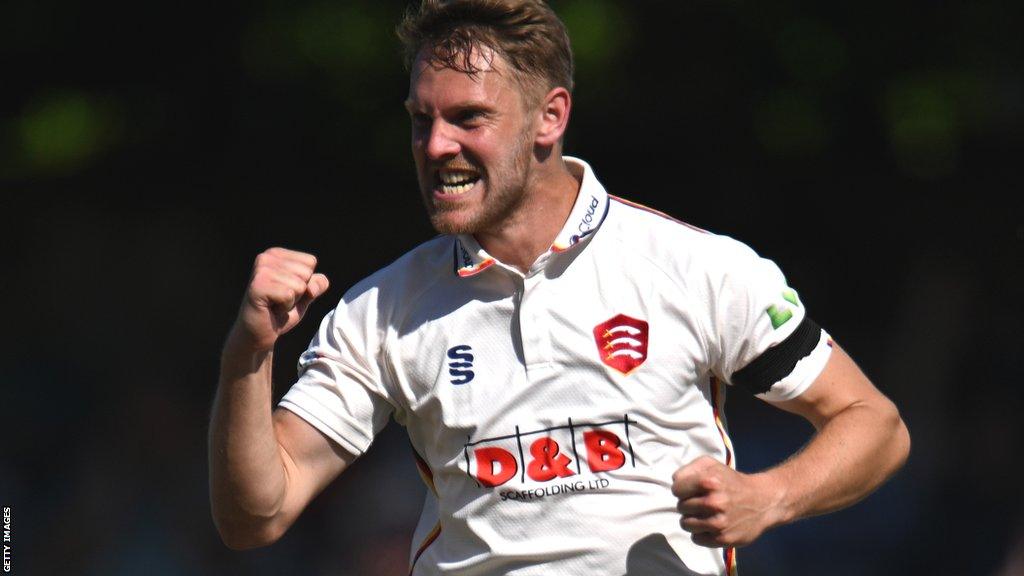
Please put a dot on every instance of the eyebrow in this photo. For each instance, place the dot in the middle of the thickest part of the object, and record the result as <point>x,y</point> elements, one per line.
<point>477,105</point>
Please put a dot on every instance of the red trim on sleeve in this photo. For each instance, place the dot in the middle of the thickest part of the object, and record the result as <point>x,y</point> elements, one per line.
<point>434,533</point>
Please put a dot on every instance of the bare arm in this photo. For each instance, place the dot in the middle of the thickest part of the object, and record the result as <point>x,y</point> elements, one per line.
<point>860,442</point>
<point>265,465</point>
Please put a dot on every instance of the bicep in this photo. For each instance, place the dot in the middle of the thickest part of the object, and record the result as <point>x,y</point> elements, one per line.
<point>840,386</point>
<point>311,461</point>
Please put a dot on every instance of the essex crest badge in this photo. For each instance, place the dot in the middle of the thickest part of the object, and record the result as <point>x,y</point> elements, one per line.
<point>622,342</point>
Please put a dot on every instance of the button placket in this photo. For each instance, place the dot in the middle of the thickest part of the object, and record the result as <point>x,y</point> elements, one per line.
<point>535,323</point>
<point>518,330</point>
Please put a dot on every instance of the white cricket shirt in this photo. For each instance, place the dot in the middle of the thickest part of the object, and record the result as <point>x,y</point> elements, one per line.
<point>549,410</point>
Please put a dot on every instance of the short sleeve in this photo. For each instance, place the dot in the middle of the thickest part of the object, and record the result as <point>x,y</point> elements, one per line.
<point>763,337</point>
<point>340,389</point>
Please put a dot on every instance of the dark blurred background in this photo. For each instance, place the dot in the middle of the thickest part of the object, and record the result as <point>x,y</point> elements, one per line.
<point>148,152</point>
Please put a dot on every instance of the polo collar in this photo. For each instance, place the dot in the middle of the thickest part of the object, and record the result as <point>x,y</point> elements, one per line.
<point>586,216</point>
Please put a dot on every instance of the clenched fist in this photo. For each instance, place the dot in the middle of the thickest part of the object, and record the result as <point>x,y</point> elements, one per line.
<point>722,507</point>
<point>282,287</point>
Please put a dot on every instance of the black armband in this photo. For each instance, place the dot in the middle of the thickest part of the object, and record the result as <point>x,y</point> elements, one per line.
<point>777,362</point>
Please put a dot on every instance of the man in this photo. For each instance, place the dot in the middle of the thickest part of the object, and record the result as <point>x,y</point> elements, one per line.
<point>558,355</point>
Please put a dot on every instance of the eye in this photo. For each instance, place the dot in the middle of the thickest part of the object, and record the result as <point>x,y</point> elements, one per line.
<point>419,120</point>
<point>470,117</point>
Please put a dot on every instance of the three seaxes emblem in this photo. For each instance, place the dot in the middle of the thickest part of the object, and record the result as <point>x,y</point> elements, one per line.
<point>622,342</point>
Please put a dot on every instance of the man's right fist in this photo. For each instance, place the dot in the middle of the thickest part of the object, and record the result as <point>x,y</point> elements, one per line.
<point>280,290</point>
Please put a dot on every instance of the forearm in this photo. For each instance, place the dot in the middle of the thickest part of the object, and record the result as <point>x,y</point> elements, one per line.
<point>852,454</point>
<point>860,442</point>
<point>247,475</point>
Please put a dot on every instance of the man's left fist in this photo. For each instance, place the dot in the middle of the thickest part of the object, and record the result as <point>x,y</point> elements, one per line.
<point>722,507</point>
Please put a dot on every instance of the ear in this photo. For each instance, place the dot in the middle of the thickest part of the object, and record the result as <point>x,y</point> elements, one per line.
<point>554,116</point>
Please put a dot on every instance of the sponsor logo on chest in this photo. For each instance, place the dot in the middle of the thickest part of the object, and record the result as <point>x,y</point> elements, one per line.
<point>548,454</point>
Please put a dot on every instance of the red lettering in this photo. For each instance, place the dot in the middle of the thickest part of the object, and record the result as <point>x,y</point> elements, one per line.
<point>486,458</point>
<point>603,452</point>
<point>547,463</point>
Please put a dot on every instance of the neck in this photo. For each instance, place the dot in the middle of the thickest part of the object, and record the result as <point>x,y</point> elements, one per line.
<point>529,232</point>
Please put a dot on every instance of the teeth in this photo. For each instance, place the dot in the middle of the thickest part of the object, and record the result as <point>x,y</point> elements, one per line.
<point>457,182</point>
<point>456,188</point>
<point>456,177</point>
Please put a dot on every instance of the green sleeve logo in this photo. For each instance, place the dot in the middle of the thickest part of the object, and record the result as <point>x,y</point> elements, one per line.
<point>781,315</point>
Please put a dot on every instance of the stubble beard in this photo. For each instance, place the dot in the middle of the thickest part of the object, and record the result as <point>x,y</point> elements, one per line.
<point>506,190</point>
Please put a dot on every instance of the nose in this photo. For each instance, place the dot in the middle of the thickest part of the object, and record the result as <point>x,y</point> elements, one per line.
<point>440,141</point>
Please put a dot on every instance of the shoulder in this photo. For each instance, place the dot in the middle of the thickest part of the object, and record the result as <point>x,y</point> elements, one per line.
<point>682,249</point>
<point>402,282</point>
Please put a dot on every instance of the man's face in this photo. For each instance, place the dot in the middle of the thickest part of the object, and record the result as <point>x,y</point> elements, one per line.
<point>472,139</point>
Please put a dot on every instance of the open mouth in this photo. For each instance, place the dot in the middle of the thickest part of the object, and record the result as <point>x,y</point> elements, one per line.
<point>455,182</point>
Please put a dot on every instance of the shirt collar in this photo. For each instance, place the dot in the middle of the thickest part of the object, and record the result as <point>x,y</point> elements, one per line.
<point>586,216</point>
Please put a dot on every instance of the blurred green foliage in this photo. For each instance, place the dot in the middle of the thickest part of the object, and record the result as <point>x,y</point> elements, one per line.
<point>336,38</point>
<point>62,132</point>
<point>924,126</point>
<point>790,123</point>
<point>787,82</point>
<point>600,31</point>
<point>811,52</point>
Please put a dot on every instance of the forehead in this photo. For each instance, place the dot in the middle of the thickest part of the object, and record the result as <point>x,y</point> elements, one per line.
<point>431,83</point>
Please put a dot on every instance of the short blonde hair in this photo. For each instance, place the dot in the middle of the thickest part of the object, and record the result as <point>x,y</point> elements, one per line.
<point>525,33</point>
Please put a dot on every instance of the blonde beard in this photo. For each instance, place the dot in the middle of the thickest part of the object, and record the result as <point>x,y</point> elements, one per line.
<point>500,204</point>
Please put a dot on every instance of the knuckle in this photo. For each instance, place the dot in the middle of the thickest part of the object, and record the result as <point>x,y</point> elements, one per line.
<point>283,289</point>
<point>677,482</point>
<point>268,275</point>
<point>717,502</point>
<point>267,257</point>
<point>709,482</point>
<point>259,280</point>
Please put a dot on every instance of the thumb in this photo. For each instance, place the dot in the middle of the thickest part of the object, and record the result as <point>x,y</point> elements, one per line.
<point>317,285</point>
